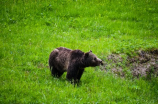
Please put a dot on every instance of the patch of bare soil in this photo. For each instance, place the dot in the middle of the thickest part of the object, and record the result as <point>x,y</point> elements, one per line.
<point>145,63</point>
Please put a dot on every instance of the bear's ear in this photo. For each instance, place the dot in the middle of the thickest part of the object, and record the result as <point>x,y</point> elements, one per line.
<point>87,54</point>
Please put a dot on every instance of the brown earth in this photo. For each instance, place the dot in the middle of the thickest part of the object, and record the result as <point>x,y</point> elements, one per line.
<point>144,63</point>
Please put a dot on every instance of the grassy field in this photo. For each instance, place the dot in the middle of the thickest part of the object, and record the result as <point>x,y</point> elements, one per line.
<point>31,29</point>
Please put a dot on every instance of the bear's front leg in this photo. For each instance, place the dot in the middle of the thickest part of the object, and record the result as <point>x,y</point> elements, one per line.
<point>72,74</point>
<point>79,74</point>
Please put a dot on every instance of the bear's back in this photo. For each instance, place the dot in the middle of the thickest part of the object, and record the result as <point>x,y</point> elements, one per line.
<point>63,53</point>
<point>62,59</point>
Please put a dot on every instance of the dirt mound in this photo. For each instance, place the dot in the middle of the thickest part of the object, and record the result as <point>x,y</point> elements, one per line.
<point>144,63</point>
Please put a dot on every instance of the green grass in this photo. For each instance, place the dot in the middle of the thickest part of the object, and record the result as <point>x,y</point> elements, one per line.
<point>31,29</point>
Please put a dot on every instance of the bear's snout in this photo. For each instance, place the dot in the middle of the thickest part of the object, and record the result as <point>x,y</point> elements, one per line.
<point>100,61</point>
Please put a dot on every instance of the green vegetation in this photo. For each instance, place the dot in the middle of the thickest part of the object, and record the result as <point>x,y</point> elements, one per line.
<point>31,29</point>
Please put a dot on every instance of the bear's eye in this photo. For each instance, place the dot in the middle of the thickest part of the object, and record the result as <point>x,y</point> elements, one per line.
<point>95,58</point>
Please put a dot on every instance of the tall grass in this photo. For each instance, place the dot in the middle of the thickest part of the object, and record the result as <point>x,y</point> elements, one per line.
<point>30,30</point>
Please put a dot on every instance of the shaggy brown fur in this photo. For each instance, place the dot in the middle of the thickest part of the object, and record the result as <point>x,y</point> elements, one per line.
<point>71,61</point>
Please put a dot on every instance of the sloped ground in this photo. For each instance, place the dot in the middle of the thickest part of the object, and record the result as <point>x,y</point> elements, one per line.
<point>144,63</point>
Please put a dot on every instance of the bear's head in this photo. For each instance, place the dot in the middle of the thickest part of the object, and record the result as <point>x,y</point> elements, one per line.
<point>92,60</point>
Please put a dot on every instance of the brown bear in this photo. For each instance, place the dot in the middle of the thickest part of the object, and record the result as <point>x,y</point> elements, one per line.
<point>71,61</point>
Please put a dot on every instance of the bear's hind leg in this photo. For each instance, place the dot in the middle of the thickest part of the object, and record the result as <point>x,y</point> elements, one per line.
<point>54,71</point>
<point>59,74</point>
